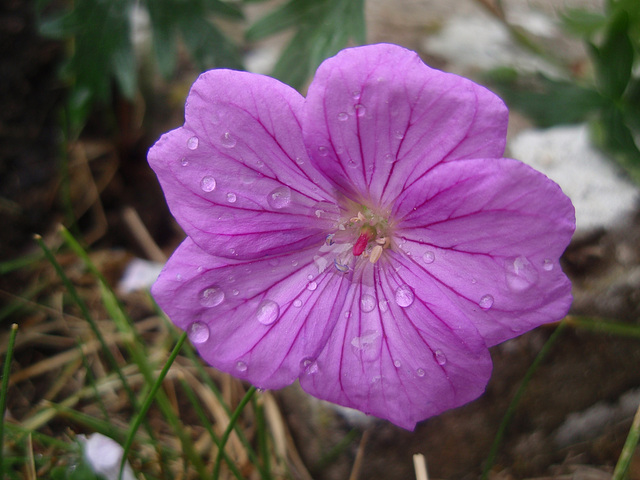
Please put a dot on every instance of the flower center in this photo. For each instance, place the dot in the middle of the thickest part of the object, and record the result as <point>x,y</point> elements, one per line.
<point>363,236</point>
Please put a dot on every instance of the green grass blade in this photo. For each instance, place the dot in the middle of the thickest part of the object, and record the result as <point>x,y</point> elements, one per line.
<point>630,444</point>
<point>204,421</point>
<point>601,325</point>
<point>137,421</point>
<point>232,423</point>
<point>511,409</point>
<point>6,372</point>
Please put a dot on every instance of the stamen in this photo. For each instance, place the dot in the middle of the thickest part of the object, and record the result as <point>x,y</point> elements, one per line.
<point>376,253</point>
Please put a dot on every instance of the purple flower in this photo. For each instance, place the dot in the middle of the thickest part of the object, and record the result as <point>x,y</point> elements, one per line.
<point>368,240</point>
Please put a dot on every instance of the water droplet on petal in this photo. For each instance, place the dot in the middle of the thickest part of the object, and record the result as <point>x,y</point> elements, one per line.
<point>404,296</point>
<point>390,158</point>
<point>211,297</point>
<point>367,303</point>
<point>280,197</point>
<point>547,265</point>
<point>397,363</point>
<point>355,94</point>
<point>323,151</point>
<point>347,314</point>
<point>267,312</point>
<point>398,134</point>
<point>428,257</point>
<point>294,263</point>
<point>208,183</point>
<point>440,357</point>
<point>299,161</point>
<point>241,366</point>
<point>521,274</point>
<point>366,340</point>
<point>227,140</point>
<point>312,286</point>
<point>383,305</point>
<point>198,332</point>
<point>420,372</point>
<point>297,303</point>
<point>343,117</point>
<point>309,366</point>
<point>184,162</point>
<point>360,110</point>
<point>486,302</point>
<point>192,143</point>
<point>231,197</point>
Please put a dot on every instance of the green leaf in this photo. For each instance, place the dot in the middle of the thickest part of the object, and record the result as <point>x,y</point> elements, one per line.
<point>547,102</point>
<point>613,134</point>
<point>208,46</point>
<point>583,22</point>
<point>613,60</point>
<point>323,28</point>
<point>161,14</point>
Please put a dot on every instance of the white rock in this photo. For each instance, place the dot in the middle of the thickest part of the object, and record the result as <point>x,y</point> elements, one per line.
<point>480,42</point>
<point>139,275</point>
<point>600,193</point>
<point>104,455</point>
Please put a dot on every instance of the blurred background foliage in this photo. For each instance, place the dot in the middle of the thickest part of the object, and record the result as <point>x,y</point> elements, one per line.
<point>101,40</point>
<point>606,93</point>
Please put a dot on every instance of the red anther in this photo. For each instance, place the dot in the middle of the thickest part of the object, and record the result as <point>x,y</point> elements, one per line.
<point>361,243</point>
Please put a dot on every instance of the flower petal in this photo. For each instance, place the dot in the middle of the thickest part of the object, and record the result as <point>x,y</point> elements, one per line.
<point>258,320</point>
<point>491,232</point>
<point>236,176</point>
<point>400,351</point>
<point>377,118</point>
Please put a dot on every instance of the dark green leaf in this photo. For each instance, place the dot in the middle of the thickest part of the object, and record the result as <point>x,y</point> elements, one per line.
<point>614,135</point>
<point>323,28</point>
<point>547,102</point>
<point>208,46</point>
<point>613,60</point>
<point>224,8</point>
<point>161,14</point>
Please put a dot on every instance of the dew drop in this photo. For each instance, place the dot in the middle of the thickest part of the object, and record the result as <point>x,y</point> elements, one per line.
<point>383,305</point>
<point>312,286</point>
<point>235,292</point>
<point>211,296</point>
<point>398,134</point>
<point>179,277</point>
<point>397,363</point>
<point>299,161</point>
<point>486,302</point>
<point>231,197</point>
<point>440,357</point>
<point>323,151</point>
<point>184,162</point>
<point>198,332</point>
<point>420,372</point>
<point>267,312</point>
<point>367,303</point>
<point>366,341</point>
<point>280,197</point>
<point>428,257</point>
<point>521,274</point>
<point>360,110</point>
<point>389,158</point>
<point>297,303</point>
<point>343,117</point>
<point>547,265</point>
<point>208,183</point>
<point>192,143</point>
<point>347,314</point>
<point>309,366</point>
<point>241,366</point>
<point>404,296</point>
<point>227,140</point>
<point>294,263</point>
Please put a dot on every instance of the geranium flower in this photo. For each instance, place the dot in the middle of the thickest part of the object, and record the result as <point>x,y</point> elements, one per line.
<point>368,240</point>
